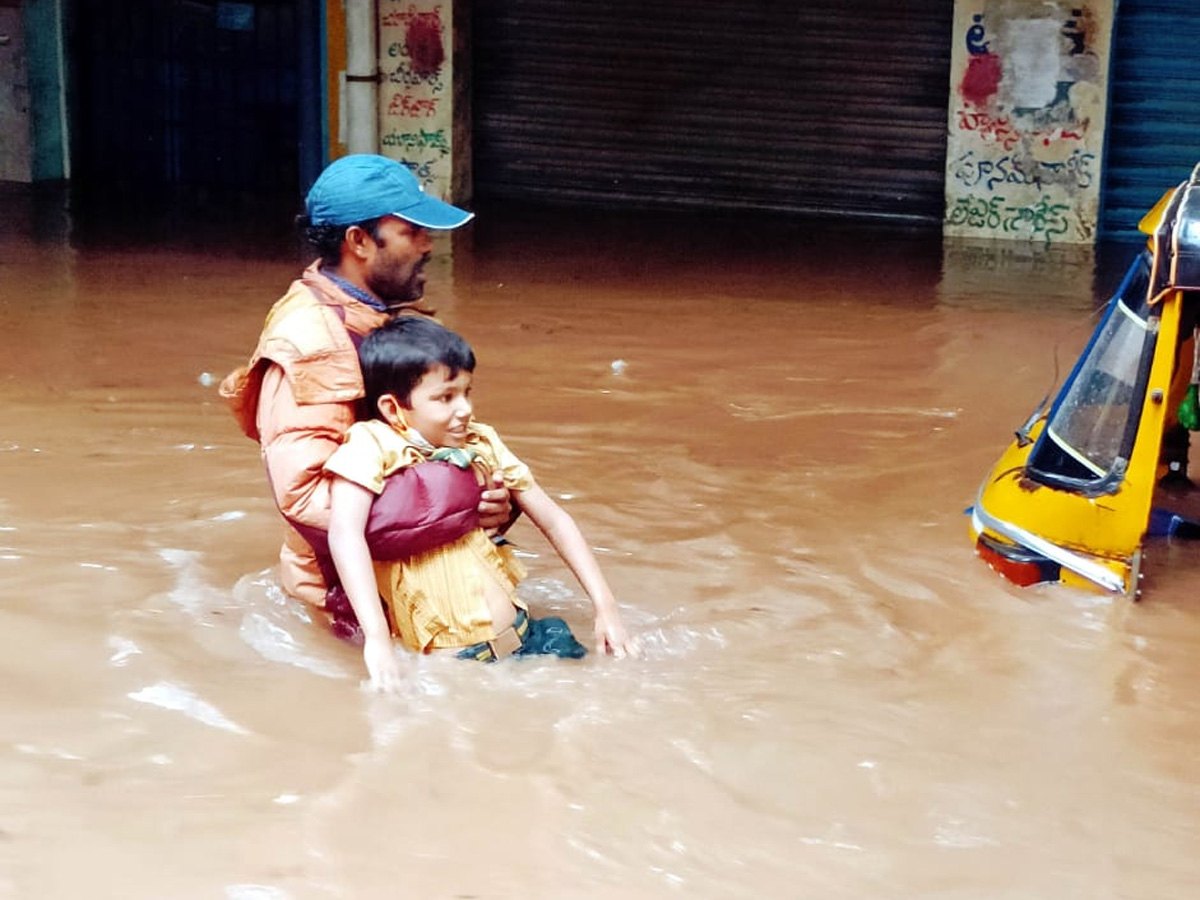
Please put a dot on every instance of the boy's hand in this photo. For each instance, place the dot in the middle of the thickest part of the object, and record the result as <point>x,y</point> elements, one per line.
<point>382,665</point>
<point>611,637</point>
<point>495,506</point>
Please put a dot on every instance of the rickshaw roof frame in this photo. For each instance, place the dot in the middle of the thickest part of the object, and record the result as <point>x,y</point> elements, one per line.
<point>1174,228</point>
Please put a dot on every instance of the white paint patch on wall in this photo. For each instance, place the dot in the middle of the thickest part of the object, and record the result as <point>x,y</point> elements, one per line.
<point>1032,64</point>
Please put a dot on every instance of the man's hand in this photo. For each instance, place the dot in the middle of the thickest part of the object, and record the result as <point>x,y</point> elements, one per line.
<point>495,506</point>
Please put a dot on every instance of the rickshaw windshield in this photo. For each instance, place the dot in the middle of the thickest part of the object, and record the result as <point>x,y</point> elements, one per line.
<point>1090,430</point>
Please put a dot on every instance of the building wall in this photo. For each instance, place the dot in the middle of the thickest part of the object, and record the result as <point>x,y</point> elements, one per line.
<point>1027,118</point>
<point>422,93</point>
<point>335,75</point>
<point>1027,110</point>
<point>47,88</point>
<point>15,131</point>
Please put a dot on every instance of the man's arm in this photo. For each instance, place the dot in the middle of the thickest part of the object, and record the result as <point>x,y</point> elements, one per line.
<point>497,511</point>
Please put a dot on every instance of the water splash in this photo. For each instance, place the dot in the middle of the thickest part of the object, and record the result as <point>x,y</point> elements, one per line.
<point>170,696</point>
<point>276,643</point>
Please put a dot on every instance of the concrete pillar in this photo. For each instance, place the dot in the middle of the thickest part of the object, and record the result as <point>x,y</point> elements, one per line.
<point>362,77</point>
<point>422,99</point>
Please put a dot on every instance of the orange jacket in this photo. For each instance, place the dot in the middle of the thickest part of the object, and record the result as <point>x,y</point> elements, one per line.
<point>296,395</point>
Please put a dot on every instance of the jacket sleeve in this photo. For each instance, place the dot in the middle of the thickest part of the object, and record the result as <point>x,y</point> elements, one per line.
<point>296,440</point>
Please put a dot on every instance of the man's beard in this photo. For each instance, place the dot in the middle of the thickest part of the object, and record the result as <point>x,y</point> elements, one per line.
<point>397,297</point>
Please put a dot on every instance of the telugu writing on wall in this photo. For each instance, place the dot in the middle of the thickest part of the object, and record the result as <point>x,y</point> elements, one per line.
<point>416,117</point>
<point>1027,115</point>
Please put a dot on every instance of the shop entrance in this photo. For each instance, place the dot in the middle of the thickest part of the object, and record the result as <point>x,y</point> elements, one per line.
<point>177,99</point>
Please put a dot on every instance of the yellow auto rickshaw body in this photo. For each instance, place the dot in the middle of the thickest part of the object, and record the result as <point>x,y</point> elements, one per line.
<point>1070,499</point>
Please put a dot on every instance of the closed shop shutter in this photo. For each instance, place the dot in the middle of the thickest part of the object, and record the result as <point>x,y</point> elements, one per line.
<point>816,107</point>
<point>1154,116</point>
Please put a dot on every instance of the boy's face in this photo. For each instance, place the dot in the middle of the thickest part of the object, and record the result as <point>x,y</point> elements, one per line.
<point>440,407</point>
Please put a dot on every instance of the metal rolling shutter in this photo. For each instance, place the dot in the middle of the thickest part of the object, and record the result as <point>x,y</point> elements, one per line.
<point>820,106</point>
<point>1154,114</point>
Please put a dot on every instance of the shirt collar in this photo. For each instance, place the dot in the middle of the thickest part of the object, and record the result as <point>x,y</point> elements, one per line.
<point>355,291</point>
<point>417,439</point>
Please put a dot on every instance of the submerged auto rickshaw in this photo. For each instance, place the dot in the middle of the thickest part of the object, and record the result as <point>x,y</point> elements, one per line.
<point>1073,497</point>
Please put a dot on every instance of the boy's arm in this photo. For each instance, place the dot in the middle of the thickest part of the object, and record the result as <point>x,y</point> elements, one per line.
<point>562,532</point>
<point>350,506</point>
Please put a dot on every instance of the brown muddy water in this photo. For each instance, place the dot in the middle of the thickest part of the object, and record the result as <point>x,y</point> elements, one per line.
<point>768,430</point>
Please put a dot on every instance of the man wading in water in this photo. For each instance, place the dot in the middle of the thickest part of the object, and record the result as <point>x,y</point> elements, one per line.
<point>370,223</point>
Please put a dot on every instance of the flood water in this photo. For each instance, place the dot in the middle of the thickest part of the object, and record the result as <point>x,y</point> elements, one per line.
<point>769,431</point>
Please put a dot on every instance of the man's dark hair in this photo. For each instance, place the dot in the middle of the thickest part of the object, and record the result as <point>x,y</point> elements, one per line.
<point>397,355</point>
<point>327,239</point>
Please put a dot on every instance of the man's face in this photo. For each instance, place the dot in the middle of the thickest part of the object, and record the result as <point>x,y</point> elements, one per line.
<point>395,269</point>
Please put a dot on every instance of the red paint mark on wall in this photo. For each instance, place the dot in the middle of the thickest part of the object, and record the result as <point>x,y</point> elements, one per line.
<point>413,107</point>
<point>982,79</point>
<point>423,40</point>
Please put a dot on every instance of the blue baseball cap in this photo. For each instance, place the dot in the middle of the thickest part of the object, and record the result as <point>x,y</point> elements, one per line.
<point>365,186</point>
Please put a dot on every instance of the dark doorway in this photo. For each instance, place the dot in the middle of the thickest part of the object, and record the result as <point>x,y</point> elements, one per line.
<point>193,102</point>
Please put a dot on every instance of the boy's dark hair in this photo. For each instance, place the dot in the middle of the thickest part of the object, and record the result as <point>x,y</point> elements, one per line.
<point>327,239</point>
<point>397,355</point>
